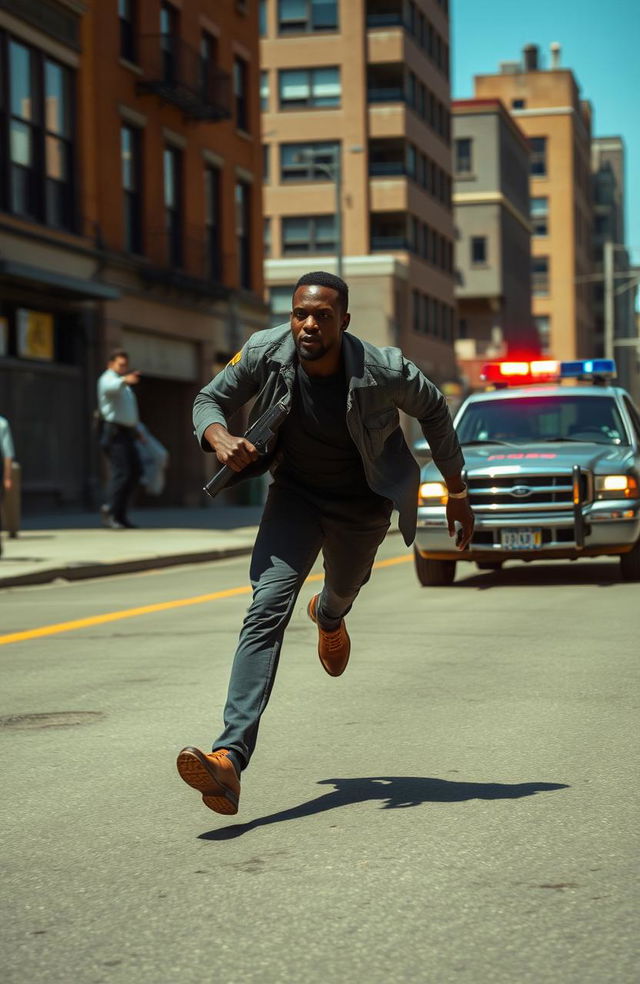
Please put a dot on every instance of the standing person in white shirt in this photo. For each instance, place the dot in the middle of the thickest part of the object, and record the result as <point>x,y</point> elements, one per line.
<point>119,415</point>
<point>7,455</point>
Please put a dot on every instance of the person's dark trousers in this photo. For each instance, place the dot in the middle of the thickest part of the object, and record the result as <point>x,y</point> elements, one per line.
<point>293,530</point>
<point>119,445</point>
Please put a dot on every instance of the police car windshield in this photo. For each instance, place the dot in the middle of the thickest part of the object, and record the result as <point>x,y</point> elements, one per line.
<point>523,420</point>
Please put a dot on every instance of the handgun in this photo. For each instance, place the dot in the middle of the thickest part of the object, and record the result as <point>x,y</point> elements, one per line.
<point>260,434</point>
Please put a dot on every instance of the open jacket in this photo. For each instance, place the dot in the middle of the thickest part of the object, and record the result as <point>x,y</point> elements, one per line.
<point>381,382</point>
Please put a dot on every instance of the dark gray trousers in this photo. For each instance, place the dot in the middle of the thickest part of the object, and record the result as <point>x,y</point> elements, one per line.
<point>295,527</point>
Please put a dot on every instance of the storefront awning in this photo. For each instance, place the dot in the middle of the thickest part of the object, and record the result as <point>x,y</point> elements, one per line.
<point>74,288</point>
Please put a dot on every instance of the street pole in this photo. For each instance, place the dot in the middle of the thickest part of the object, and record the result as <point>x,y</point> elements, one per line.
<point>609,327</point>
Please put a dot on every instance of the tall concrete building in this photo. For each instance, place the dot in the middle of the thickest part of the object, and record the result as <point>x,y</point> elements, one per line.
<point>130,215</point>
<point>356,111</point>
<point>493,236</point>
<point>617,278</point>
<point>546,104</point>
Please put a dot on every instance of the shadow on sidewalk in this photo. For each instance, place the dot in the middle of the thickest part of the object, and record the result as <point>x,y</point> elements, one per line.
<point>394,792</point>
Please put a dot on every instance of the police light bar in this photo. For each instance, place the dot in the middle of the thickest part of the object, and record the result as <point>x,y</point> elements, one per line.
<point>545,371</point>
<point>588,367</point>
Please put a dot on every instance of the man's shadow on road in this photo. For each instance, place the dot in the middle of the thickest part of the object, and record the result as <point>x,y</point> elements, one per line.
<point>394,792</point>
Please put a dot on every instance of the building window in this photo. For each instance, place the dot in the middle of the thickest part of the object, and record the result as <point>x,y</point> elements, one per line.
<point>538,160</point>
<point>543,328</point>
<point>300,16</point>
<point>280,303</point>
<point>540,275</point>
<point>169,35</point>
<point>309,234</point>
<point>130,144</point>
<point>172,162</point>
<point>262,18</point>
<point>208,61</point>
<point>266,163</point>
<point>212,223</point>
<point>266,237</point>
<point>389,230</point>
<point>539,211</point>
<point>319,87</point>
<point>241,93</point>
<point>39,176</point>
<point>518,103</point>
<point>264,91</point>
<point>127,15</point>
<point>243,233</point>
<point>57,137</point>
<point>478,250</point>
<point>464,158</point>
<point>308,161</point>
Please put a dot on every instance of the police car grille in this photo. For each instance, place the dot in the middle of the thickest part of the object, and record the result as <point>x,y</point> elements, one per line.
<point>522,493</point>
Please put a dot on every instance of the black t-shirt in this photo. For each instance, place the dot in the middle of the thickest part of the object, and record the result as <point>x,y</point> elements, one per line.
<point>316,449</point>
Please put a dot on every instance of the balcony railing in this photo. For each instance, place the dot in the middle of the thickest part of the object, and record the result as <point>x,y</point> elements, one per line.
<point>387,93</point>
<point>174,71</point>
<point>186,260</point>
<point>386,169</point>
<point>389,242</point>
<point>385,20</point>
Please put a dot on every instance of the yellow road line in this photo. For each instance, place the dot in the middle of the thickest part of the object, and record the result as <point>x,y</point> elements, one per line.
<point>161,606</point>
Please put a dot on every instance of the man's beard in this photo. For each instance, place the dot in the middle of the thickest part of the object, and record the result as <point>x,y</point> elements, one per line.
<point>311,355</point>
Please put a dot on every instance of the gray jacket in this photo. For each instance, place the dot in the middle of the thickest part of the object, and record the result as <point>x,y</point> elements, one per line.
<point>381,381</point>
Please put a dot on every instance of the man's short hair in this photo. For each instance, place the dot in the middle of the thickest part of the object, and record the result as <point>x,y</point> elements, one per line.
<point>118,354</point>
<point>321,279</point>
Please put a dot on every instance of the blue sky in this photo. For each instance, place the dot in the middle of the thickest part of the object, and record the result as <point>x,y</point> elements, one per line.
<point>600,42</point>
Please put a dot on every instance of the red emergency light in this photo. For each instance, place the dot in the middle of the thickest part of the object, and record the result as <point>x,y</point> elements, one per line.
<point>536,371</point>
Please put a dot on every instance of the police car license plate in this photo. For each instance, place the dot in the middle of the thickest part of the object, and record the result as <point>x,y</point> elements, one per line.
<point>521,538</point>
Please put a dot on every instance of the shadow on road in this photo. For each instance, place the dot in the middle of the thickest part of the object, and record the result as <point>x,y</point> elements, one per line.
<point>393,792</point>
<point>600,575</point>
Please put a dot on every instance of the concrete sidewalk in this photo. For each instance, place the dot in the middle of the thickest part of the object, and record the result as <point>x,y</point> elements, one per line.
<point>75,545</point>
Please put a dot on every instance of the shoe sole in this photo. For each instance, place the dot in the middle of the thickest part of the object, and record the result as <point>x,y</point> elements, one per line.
<point>194,769</point>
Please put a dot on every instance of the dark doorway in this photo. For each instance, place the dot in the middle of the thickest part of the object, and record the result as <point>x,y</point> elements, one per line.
<point>165,408</point>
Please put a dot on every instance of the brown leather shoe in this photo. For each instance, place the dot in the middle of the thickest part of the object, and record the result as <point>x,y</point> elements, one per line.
<point>214,775</point>
<point>333,647</point>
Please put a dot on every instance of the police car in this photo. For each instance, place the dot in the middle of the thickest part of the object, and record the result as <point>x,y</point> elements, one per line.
<point>552,468</point>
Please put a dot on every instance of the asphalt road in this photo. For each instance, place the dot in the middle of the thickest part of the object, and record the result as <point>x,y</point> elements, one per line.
<point>459,806</point>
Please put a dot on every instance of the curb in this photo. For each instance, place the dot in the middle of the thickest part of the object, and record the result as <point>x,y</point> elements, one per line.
<point>80,572</point>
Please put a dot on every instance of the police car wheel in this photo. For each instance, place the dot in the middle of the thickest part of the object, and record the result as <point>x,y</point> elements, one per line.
<point>434,573</point>
<point>630,564</point>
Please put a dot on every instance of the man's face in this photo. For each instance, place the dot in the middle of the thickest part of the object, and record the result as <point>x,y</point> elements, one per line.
<point>317,321</point>
<point>120,365</point>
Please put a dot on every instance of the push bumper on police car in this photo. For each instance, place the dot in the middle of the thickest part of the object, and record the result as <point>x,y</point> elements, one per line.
<point>555,529</point>
<point>570,490</point>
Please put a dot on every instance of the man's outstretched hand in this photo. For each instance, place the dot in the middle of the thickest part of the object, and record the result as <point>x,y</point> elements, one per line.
<point>459,510</point>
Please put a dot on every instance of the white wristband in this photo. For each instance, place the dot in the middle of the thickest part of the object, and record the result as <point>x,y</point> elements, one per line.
<point>459,495</point>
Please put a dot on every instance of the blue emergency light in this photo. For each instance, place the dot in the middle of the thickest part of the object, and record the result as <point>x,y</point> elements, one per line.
<point>588,367</point>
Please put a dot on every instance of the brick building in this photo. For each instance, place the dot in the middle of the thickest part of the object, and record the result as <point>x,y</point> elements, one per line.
<point>128,209</point>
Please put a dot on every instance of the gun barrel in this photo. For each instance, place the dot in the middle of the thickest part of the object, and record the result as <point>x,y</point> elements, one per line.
<point>218,482</point>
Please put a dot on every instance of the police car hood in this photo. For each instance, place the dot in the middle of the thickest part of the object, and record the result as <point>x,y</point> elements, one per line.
<point>547,457</point>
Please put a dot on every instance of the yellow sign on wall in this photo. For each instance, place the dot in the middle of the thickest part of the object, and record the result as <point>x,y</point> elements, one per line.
<point>35,334</point>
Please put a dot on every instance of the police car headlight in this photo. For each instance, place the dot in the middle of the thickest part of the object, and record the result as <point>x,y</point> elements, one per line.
<point>616,487</point>
<point>432,494</point>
